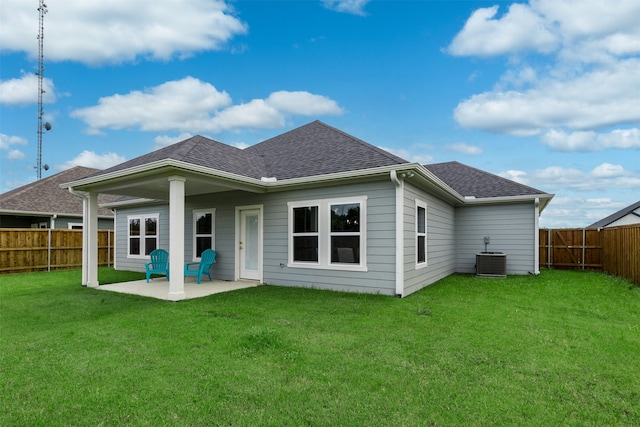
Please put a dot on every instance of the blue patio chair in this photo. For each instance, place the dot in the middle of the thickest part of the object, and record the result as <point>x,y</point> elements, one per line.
<point>207,259</point>
<point>159,263</point>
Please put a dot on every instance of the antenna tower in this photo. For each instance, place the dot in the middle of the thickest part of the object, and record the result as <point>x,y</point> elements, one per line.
<point>42,10</point>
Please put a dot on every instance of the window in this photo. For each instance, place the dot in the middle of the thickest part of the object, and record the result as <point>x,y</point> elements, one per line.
<point>143,234</point>
<point>345,233</point>
<point>203,231</point>
<point>421,233</point>
<point>328,233</point>
<point>305,234</point>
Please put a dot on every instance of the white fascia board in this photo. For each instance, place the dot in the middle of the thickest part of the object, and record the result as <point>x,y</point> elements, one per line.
<point>286,184</point>
<point>51,214</point>
<point>130,202</point>
<point>544,200</point>
<point>157,166</point>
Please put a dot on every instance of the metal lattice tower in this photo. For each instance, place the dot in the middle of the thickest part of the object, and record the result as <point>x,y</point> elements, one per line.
<point>42,9</point>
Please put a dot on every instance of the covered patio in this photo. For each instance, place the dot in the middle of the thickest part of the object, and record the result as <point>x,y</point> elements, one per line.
<point>159,287</point>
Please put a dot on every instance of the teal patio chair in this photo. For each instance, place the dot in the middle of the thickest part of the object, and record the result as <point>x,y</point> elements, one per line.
<point>207,259</point>
<point>159,263</point>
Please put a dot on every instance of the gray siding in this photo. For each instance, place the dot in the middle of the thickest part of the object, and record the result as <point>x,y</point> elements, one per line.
<point>380,277</point>
<point>137,264</point>
<point>511,228</point>
<point>440,240</point>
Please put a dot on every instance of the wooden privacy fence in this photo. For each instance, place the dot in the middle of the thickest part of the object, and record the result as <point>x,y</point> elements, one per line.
<point>614,250</point>
<point>36,249</point>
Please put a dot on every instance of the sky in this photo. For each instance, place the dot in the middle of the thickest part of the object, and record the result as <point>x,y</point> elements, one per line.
<point>543,92</point>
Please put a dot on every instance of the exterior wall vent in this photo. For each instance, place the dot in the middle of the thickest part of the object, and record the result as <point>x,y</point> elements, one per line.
<point>491,264</point>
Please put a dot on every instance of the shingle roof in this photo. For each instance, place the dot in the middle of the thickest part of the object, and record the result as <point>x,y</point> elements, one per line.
<point>472,182</point>
<point>46,196</point>
<point>615,216</point>
<point>310,150</point>
<point>319,149</point>
<point>202,151</point>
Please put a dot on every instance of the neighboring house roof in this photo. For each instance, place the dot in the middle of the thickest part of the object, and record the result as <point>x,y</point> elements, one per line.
<point>46,197</point>
<point>629,210</point>
<point>472,182</point>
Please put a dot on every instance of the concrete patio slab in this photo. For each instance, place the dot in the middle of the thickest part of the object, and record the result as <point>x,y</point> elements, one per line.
<point>159,287</point>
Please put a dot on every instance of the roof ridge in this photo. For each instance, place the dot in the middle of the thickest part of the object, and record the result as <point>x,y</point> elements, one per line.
<point>385,153</point>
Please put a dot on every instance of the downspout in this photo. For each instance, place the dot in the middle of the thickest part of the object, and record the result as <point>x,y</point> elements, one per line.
<point>399,184</point>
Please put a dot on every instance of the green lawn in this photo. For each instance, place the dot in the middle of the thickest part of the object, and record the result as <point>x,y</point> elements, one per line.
<point>562,348</point>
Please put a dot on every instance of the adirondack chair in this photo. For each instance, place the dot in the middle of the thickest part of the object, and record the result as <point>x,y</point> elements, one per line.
<point>207,259</point>
<point>159,263</point>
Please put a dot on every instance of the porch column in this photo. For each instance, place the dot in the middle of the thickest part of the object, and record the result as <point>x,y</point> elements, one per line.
<point>91,238</point>
<point>85,238</point>
<point>176,238</point>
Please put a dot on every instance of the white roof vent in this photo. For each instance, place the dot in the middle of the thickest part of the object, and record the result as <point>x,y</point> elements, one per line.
<point>268,179</point>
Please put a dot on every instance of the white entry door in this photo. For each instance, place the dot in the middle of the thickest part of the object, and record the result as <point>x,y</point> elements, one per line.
<point>249,244</point>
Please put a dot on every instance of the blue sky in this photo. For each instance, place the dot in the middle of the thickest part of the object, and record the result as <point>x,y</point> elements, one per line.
<point>544,92</point>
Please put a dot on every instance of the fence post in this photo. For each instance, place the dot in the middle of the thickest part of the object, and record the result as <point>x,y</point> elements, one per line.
<point>549,248</point>
<point>49,249</point>
<point>584,243</point>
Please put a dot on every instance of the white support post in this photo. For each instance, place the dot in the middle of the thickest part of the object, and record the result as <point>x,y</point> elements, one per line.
<point>91,240</point>
<point>176,238</point>
<point>536,238</point>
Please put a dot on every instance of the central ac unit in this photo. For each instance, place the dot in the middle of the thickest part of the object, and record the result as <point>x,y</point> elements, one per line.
<point>491,264</point>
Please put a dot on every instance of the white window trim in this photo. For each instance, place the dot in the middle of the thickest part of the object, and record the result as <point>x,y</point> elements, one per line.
<point>421,204</point>
<point>197,212</point>
<point>70,225</point>
<point>324,233</point>
<point>142,218</point>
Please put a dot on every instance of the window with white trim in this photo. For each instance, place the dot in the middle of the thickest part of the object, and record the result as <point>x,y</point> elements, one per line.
<point>329,233</point>
<point>421,233</point>
<point>143,235</point>
<point>203,231</point>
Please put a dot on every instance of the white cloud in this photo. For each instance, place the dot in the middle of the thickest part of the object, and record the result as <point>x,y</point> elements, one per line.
<point>114,31</point>
<point>410,155</point>
<point>469,150</point>
<point>16,155</point>
<point>575,29</point>
<point>519,29</point>
<point>24,90</point>
<point>573,70</point>
<point>515,175</point>
<point>91,159</point>
<point>303,103</point>
<point>603,97</point>
<point>591,141</point>
<point>191,105</point>
<point>6,141</point>
<point>173,105</point>
<point>355,7</point>
<point>602,177</point>
<point>165,140</point>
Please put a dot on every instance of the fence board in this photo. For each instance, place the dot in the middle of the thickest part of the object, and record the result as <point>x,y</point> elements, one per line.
<point>613,250</point>
<point>36,249</point>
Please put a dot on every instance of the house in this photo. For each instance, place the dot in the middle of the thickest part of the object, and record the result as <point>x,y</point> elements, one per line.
<point>313,207</point>
<point>627,216</point>
<point>43,204</point>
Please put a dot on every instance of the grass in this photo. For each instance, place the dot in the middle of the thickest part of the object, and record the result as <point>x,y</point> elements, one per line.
<point>557,349</point>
